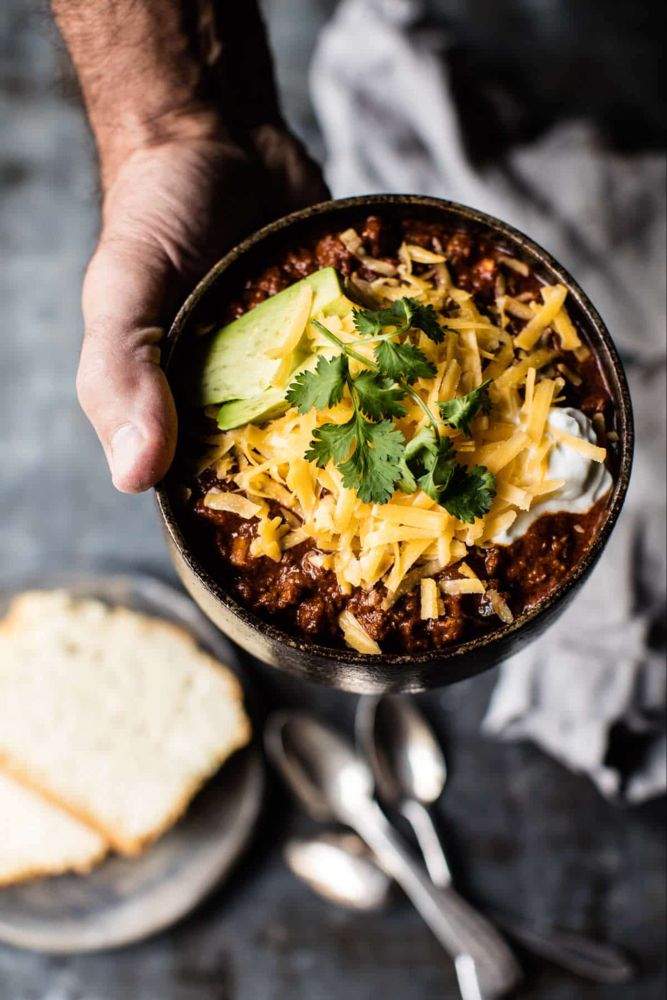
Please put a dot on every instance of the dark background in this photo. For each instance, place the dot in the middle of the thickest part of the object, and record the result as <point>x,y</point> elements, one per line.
<point>525,834</point>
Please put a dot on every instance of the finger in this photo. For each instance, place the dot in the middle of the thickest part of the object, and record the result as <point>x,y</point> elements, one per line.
<point>120,384</point>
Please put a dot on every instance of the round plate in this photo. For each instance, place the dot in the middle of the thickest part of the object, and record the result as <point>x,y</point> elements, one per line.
<point>125,900</point>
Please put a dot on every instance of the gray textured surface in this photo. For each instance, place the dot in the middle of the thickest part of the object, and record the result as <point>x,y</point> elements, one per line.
<point>526,834</point>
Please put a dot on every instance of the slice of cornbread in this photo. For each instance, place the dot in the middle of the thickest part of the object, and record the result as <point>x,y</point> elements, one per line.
<point>114,716</point>
<point>37,838</point>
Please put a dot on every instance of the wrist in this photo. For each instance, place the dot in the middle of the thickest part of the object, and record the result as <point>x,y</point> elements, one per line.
<point>132,132</point>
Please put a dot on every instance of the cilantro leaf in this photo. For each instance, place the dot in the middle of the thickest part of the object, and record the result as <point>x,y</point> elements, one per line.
<point>371,322</point>
<point>423,440</point>
<point>407,483</point>
<point>470,493</point>
<point>332,442</point>
<point>378,397</point>
<point>320,388</point>
<point>435,460</point>
<point>460,412</point>
<point>402,362</point>
<point>373,468</point>
<point>425,318</point>
<point>404,314</point>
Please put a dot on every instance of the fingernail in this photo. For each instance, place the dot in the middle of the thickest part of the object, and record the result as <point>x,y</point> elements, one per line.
<point>126,444</point>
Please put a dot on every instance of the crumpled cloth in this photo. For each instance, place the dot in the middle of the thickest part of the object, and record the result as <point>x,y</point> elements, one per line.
<point>594,685</point>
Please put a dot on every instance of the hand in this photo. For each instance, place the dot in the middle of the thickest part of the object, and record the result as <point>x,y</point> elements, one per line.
<point>169,212</point>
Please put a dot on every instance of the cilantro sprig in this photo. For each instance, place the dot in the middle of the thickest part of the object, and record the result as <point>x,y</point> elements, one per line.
<point>369,449</point>
<point>464,493</point>
<point>374,451</point>
<point>461,411</point>
<point>404,314</point>
<point>403,361</point>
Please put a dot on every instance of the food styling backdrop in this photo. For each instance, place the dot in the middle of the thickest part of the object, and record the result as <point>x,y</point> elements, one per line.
<point>564,82</point>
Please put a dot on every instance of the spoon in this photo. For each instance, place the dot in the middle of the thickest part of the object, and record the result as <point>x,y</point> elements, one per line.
<point>340,868</point>
<point>409,769</point>
<point>325,772</point>
<point>410,775</point>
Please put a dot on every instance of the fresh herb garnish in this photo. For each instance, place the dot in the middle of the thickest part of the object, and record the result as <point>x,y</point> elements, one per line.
<point>439,462</point>
<point>403,361</point>
<point>464,493</point>
<point>460,412</point>
<point>470,493</point>
<point>405,314</point>
<point>373,467</point>
<point>369,450</point>
<point>378,397</point>
<point>321,388</point>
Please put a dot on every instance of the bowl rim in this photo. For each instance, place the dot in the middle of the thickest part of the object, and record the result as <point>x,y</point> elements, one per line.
<point>522,623</point>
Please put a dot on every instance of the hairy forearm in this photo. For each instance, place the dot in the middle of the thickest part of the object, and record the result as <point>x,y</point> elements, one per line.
<point>152,70</point>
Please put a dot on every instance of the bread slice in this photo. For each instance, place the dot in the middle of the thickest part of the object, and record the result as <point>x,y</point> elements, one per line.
<point>112,715</point>
<point>37,839</point>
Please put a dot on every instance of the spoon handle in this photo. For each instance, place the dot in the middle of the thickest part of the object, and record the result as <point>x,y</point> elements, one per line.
<point>460,930</point>
<point>589,959</point>
<point>430,845</point>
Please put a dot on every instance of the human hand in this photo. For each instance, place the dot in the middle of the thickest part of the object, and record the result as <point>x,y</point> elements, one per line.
<point>169,212</point>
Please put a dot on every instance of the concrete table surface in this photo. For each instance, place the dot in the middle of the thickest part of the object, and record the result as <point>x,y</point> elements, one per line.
<point>524,834</point>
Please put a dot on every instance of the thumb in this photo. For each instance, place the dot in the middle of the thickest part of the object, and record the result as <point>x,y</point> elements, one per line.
<point>121,387</point>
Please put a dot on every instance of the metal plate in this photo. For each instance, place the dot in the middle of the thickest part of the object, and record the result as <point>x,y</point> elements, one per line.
<point>127,899</point>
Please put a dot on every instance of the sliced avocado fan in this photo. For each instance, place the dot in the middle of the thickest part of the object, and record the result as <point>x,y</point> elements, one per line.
<point>243,359</point>
<point>266,405</point>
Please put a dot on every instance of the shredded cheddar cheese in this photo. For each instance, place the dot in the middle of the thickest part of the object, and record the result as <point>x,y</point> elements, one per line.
<point>554,298</point>
<point>463,587</point>
<point>429,599</point>
<point>591,451</point>
<point>356,636</point>
<point>235,503</point>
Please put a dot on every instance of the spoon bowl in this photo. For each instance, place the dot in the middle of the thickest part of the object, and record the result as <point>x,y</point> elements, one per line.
<point>321,768</point>
<point>340,868</point>
<point>403,752</point>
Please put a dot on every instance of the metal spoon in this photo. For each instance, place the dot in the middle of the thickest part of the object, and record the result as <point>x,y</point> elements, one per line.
<point>410,775</point>
<point>325,772</point>
<point>409,769</point>
<point>340,868</point>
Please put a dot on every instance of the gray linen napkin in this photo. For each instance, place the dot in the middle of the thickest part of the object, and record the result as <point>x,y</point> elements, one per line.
<point>382,93</point>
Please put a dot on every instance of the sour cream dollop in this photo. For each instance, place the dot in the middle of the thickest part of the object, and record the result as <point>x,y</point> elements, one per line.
<point>586,481</point>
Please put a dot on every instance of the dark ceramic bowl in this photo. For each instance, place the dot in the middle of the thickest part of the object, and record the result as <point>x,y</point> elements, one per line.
<point>390,672</point>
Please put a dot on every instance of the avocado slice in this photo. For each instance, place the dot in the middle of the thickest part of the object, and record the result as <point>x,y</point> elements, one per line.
<point>237,365</point>
<point>266,405</point>
<point>269,404</point>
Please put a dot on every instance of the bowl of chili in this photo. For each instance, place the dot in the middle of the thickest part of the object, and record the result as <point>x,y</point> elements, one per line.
<point>298,608</point>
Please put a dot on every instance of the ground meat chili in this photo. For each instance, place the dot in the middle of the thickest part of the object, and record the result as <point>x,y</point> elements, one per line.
<point>303,598</point>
